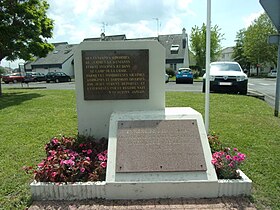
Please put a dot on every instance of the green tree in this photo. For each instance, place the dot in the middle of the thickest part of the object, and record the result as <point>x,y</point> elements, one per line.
<point>24,26</point>
<point>256,48</point>
<point>238,50</point>
<point>198,44</point>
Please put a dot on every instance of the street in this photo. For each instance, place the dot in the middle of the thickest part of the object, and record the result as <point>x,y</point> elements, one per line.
<point>264,86</point>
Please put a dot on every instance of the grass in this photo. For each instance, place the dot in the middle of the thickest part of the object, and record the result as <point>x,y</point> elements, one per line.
<point>29,118</point>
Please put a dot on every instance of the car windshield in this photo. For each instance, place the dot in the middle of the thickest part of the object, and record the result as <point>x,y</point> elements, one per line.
<point>225,67</point>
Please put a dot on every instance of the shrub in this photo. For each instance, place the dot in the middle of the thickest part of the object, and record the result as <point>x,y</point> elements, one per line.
<point>70,159</point>
<point>170,72</point>
<point>214,142</point>
<point>227,162</point>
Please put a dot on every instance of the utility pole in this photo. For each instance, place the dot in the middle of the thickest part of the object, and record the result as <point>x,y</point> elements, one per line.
<point>208,58</point>
<point>272,8</point>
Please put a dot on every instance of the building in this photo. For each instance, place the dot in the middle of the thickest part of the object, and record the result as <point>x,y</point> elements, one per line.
<point>226,54</point>
<point>59,60</point>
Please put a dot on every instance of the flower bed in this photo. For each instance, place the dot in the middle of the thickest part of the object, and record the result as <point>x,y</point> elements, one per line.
<point>78,159</point>
<point>75,168</point>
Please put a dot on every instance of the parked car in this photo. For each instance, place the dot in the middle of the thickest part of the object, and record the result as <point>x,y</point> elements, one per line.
<point>57,77</point>
<point>14,77</point>
<point>227,77</point>
<point>34,77</point>
<point>166,78</point>
<point>184,75</point>
<point>272,73</point>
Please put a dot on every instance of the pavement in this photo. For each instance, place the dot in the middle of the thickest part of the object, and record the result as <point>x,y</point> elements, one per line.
<point>232,203</point>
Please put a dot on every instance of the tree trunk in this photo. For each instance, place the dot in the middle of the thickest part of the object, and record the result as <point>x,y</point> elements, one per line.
<point>1,57</point>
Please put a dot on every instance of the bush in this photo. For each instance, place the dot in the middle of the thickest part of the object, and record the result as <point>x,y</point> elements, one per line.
<point>170,72</point>
<point>227,162</point>
<point>215,143</point>
<point>69,159</point>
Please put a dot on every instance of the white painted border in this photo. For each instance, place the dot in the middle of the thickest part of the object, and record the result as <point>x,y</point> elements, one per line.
<point>91,190</point>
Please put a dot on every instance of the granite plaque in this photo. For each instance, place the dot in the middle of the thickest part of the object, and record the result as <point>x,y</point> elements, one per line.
<point>115,74</point>
<point>159,146</point>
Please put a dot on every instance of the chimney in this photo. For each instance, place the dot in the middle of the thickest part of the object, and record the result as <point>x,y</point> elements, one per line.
<point>184,36</point>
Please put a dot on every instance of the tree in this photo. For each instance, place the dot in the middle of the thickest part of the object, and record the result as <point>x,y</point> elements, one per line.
<point>256,47</point>
<point>238,50</point>
<point>198,44</point>
<point>24,27</point>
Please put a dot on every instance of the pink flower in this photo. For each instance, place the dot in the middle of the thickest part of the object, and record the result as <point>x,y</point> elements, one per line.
<point>214,161</point>
<point>103,164</point>
<point>235,149</point>
<point>235,158</point>
<point>55,141</point>
<point>69,162</point>
<point>41,165</point>
<point>53,174</point>
<point>87,158</point>
<point>52,152</point>
<point>82,170</point>
<point>231,165</point>
<point>228,157</point>
<point>89,151</point>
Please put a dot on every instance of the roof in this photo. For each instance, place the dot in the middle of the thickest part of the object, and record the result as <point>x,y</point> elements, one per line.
<point>61,53</point>
<point>108,38</point>
<point>173,41</point>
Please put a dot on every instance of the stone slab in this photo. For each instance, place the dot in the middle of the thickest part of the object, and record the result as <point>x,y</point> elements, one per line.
<point>159,145</point>
<point>115,74</point>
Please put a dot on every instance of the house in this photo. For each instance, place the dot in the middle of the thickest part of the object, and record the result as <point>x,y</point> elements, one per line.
<point>226,54</point>
<point>176,46</point>
<point>60,59</point>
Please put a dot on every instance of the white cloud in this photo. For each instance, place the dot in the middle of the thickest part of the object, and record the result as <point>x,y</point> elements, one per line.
<point>135,18</point>
<point>248,20</point>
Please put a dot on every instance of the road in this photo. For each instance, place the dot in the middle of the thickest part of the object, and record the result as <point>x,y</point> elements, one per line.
<point>264,86</point>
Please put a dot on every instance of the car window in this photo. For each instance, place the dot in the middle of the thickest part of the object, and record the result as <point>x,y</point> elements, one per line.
<point>225,67</point>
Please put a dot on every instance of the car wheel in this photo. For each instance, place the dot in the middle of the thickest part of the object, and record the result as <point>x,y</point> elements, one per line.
<point>15,81</point>
<point>69,79</point>
<point>6,82</point>
<point>56,80</point>
<point>47,81</point>
<point>203,87</point>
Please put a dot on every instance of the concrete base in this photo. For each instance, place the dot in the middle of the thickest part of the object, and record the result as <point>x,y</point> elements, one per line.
<point>131,191</point>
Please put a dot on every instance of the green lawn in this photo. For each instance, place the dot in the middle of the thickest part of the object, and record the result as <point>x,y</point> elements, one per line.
<point>29,118</point>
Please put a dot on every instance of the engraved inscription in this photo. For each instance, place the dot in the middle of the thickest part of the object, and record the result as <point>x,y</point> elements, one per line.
<point>155,145</point>
<point>115,74</point>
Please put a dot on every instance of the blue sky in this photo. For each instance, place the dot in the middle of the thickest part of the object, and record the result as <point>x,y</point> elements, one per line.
<point>76,20</point>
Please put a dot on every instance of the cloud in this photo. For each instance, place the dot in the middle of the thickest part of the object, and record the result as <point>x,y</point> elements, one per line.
<point>76,20</point>
<point>248,20</point>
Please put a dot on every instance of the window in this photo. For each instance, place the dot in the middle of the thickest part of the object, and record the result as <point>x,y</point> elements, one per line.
<point>174,49</point>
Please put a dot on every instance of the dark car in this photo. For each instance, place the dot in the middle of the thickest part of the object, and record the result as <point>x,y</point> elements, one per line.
<point>57,77</point>
<point>34,77</point>
<point>184,75</point>
<point>227,77</point>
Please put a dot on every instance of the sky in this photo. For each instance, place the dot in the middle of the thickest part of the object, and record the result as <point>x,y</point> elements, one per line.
<point>75,20</point>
